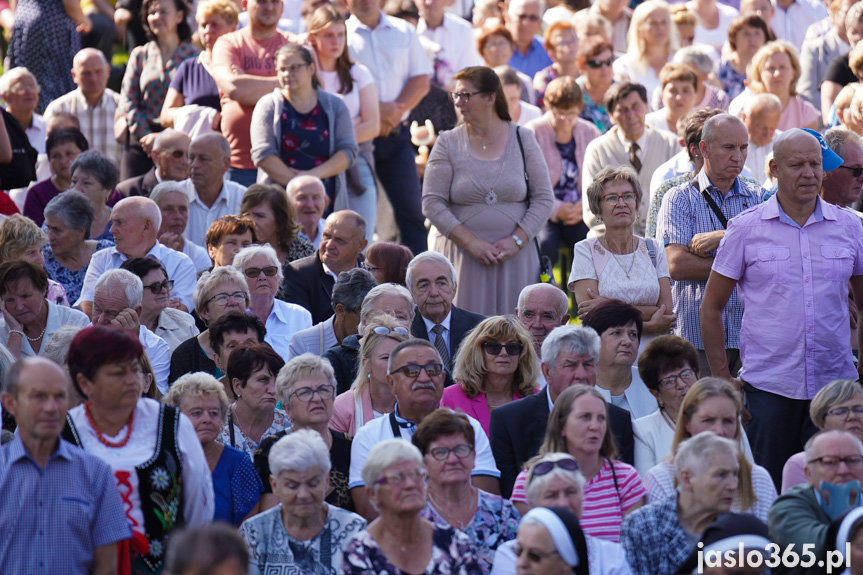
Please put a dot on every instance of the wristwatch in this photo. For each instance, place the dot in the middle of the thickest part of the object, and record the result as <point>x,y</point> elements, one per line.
<point>518,241</point>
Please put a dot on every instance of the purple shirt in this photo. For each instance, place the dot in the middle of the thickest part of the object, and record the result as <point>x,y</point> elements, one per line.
<point>793,282</point>
<point>37,198</point>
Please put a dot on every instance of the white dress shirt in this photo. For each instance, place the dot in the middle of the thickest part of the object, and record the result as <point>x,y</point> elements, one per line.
<point>285,320</point>
<point>198,255</point>
<point>458,45</point>
<point>638,399</point>
<point>201,216</point>
<point>791,24</point>
<point>756,158</point>
<point>159,354</point>
<point>446,332</point>
<point>316,339</point>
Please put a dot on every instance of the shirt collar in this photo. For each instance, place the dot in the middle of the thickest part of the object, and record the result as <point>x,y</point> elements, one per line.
<point>193,192</point>
<point>409,425</point>
<point>445,323</point>
<point>642,141</point>
<point>736,190</point>
<point>17,450</point>
<point>823,211</point>
<point>548,396</point>
<point>382,23</point>
<point>328,271</point>
<point>82,100</point>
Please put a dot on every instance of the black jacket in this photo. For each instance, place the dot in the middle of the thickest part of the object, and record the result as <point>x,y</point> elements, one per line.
<point>460,324</point>
<point>307,284</point>
<point>345,361</point>
<point>139,185</point>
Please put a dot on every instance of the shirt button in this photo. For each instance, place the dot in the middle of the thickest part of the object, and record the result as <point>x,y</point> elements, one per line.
<point>772,256</point>
<point>805,255</point>
<point>836,253</point>
<point>808,304</point>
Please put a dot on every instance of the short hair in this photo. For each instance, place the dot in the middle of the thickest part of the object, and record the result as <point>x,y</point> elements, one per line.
<point>535,484</point>
<point>407,344</point>
<point>145,208</point>
<point>564,93</point>
<point>60,120</point>
<point>621,90</point>
<point>759,60</point>
<point>226,9</point>
<point>12,379</point>
<point>74,209</point>
<point>301,450</point>
<point>554,439</point>
<point>198,384</point>
<point>211,280</point>
<point>359,222</point>
<point>97,165</point>
<point>306,365</point>
<point>12,75</point>
<point>757,102</point>
<point>184,30</point>
<point>527,291</point>
<point>295,184</point>
<point>202,550</point>
<point>580,340</point>
<point>854,16</point>
<point>508,76</point>
<point>611,174</point>
<point>377,292</point>
<point>693,453</point>
<point>17,270</point>
<point>693,123</point>
<point>664,354</point>
<point>19,234</point>
<point>442,422</point>
<point>487,33</point>
<point>590,49</point>
<point>384,455</point>
<point>392,258</point>
<point>838,138</point>
<point>142,266</point>
<point>810,444</point>
<point>836,392</point>
<point>369,343</point>
<point>167,187</point>
<point>554,28</point>
<point>748,20</point>
<point>351,288</point>
<point>710,131</point>
<point>697,58</point>
<point>429,256</point>
<point>57,347</point>
<point>242,364</point>
<point>247,254</point>
<point>124,280</point>
<point>230,225</point>
<point>305,54</point>
<point>470,370</point>
<point>65,136</point>
<point>486,81</point>
<point>284,214</point>
<point>97,346</point>
<point>677,72</point>
<point>235,322</point>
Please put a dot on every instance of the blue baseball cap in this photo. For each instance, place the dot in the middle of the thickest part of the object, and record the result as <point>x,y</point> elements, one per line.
<point>830,160</point>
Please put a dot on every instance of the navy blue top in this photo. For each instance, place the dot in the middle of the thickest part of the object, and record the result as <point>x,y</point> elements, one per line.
<point>196,85</point>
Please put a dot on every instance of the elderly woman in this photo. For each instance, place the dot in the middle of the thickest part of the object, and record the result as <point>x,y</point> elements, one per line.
<point>388,262</point>
<point>578,425</point>
<point>310,202</point>
<point>484,213</point>
<point>678,86</point>
<point>119,426</point>
<point>563,137</point>
<point>561,43</point>
<point>21,91</point>
<point>496,364</point>
<point>701,60</point>
<point>251,373</point>
<point>620,265</point>
<point>275,222</point>
<point>172,325</point>
<point>96,176</point>
<point>21,239</point>
<point>236,485</point>
<point>446,441</point>
<point>520,111</point>
<point>173,202</point>
<point>712,404</point>
<point>29,319</point>
<point>594,60</point>
<point>839,405</point>
<point>263,272</point>
<point>303,533</point>
<point>746,35</point>
<point>215,548</point>
<point>400,539</point>
<point>652,41</point>
<point>62,147</point>
<point>227,236</point>
<point>217,293</point>
<point>370,395</point>
<point>658,537</point>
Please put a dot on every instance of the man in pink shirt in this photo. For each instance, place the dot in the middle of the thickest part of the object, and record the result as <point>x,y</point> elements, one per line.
<point>792,257</point>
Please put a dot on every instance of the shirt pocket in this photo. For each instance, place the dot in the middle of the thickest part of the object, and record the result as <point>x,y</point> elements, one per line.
<point>76,515</point>
<point>837,262</point>
<point>774,264</point>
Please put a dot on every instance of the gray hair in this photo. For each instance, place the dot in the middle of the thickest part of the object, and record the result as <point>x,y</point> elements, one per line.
<point>167,187</point>
<point>75,210</point>
<point>698,58</point>
<point>577,339</point>
<point>300,181</point>
<point>12,76</point>
<point>97,165</point>
<point>382,290</point>
<point>692,454</point>
<point>429,256</point>
<point>303,366</point>
<point>854,15</point>
<point>121,279</point>
<point>764,101</point>
<point>351,288</point>
<point>57,347</point>
<point>224,144</point>
<point>387,453</point>
<point>210,280</point>
<point>835,392</point>
<point>810,445</point>
<point>534,486</point>
<point>301,450</point>
<point>712,125</point>
<point>246,255</point>
<point>837,138</point>
<point>144,208</point>
<point>528,291</point>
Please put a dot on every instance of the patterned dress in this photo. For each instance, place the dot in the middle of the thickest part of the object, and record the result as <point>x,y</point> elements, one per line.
<point>70,280</point>
<point>237,440</point>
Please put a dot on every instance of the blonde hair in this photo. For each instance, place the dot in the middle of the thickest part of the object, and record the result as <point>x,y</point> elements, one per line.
<point>637,42</point>
<point>369,344</point>
<point>555,441</point>
<point>756,66</point>
<point>17,235</point>
<point>199,384</point>
<point>227,9</point>
<point>303,366</point>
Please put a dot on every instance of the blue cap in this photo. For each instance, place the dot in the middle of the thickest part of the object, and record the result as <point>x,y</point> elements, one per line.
<point>830,160</point>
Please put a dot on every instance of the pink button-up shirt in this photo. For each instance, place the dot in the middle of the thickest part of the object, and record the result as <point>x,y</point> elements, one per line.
<point>793,282</point>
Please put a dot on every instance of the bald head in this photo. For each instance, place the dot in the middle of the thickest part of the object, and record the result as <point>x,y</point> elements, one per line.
<point>796,165</point>
<point>342,240</point>
<point>87,54</point>
<point>793,141</point>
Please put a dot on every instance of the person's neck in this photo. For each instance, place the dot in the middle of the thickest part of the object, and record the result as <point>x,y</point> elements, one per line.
<point>93,99</point>
<point>371,19</point>
<point>671,414</point>
<point>452,498</point>
<point>302,97</point>
<point>498,387</point>
<point>321,428</point>
<point>672,118</point>
<point>383,399</point>
<point>150,319</point>
<point>311,230</point>
<point>110,419</point>
<point>437,318</point>
<point>796,211</point>
<point>704,7</point>
<point>614,378</point>
<point>61,184</point>
<point>338,268</point>
<point>213,451</point>
<point>612,13</point>
<point>40,449</point>
<point>304,528</point>
<point>263,33</point>
<point>725,185</point>
<point>784,4</point>
<point>210,193</point>
<point>415,412</point>
<point>692,518</point>
<point>830,197</point>
<point>433,20</point>
<point>339,329</point>
<point>562,134</point>
<point>566,69</point>
<point>402,530</point>
<point>140,252</point>
<point>595,92</point>
<point>588,463</point>
<point>523,45</point>
<point>24,118</point>
<point>784,97</point>
<point>168,44</point>
<point>699,94</point>
<point>619,240</point>
<point>252,422</point>
<point>75,257</point>
<point>262,306</point>
<point>634,136</point>
<point>484,128</point>
<point>656,56</point>
<point>38,325</point>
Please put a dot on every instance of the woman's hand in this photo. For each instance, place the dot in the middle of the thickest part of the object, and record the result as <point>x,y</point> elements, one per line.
<point>10,321</point>
<point>587,305</point>
<point>484,252</point>
<point>661,322</point>
<point>506,248</point>
<point>570,214</point>
<point>85,26</point>
<point>147,142</point>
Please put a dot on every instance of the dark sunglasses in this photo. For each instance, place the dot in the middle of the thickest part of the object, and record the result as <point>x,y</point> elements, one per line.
<point>855,171</point>
<point>412,370</point>
<point>597,64</point>
<point>269,271</point>
<point>546,467</point>
<point>493,348</point>
<point>157,287</point>
<point>177,154</point>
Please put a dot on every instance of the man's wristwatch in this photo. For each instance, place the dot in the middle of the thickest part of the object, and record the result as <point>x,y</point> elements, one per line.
<point>518,241</point>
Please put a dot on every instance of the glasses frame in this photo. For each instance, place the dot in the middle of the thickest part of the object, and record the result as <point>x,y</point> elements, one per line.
<point>670,381</point>
<point>856,171</point>
<point>401,477</point>
<point>166,285</point>
<point>383,330</point>
<point>327,389</point>
<point>595,64</point>
<point>463,96</point>
<point>445,451</point>
<point>857,461</point>
<point>546,467</point>
<point>436,367</point>
<point>487,347</point>
<point>227,297</point>
<point>269,271</point>
<point>856,410</point>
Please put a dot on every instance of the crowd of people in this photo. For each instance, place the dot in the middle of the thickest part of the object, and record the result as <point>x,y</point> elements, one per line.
<point>606,319</point>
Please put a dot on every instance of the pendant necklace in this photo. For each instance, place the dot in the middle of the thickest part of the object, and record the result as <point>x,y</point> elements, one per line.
<point>631,263</point>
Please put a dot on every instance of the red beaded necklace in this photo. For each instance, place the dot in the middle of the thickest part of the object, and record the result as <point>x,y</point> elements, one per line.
<point>99,434</point>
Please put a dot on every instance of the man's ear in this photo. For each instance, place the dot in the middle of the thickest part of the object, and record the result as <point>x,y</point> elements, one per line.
<point>546,371</point>
<point>565,319</point>
<point>9,403</point>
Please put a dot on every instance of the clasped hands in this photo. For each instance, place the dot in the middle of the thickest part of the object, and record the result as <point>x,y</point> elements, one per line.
<point>493,254</point>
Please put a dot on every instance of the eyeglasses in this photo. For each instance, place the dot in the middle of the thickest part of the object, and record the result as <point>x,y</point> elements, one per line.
<point>442,453</point>
<point>532,555</point>
<point>176,154</point>
<point>686,376</point>
<point>597,64</point>
<point>529,17</point>
<point>401,477</point>
<point>381,330</point>
<point>294,68</point>
<point>493,348</point>
<point>831,462</point>
<point>306,394</point>
<point>463,96</point>
<point>845,411</point>
<point>157,287</point>
<point>370,269</point>
<point>613,199</point>
<point>269,271</point>
<point>412,370</point>
<point>223,298</point>
<point>546,467</point>
<point>856,171</point>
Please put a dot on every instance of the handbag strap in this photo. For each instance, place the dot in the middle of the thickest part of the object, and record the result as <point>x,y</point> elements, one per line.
<point>710,202</point>
<point>545,267</point>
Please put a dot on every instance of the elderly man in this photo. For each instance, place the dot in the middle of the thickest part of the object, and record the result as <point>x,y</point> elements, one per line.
<point>349,292</point>
<point>416,374</point>
<point>170,156</point>
<point>760,115</point>
<point>245,71</point>
<point>842,186</point>
<point>72,517</point>
<point>309,198</point>
<point>92,103</point>
<point>629,143</point>
<point>117,305</point>
<point>211,194</point>
<point>135,224</point>
<point>309,281</point>
<point>542,308</point>
<point>691,223</point>
<point>792,257</point>
<point>432,281</point>
<point>802,515</point>
<point>523,20</point>
<point>173,202</point>
<point>658,537</point>
<point>570,355</point>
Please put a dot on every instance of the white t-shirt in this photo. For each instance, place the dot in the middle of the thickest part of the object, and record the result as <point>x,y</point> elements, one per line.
<point>719,35</point>
<point>361,77</point>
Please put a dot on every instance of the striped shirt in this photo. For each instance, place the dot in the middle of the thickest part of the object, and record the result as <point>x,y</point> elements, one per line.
<point>606,496</point>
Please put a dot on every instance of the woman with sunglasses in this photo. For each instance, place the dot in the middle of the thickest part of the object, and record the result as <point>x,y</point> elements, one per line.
<point>172,325</point>
<point>446,440</point>
<point>263,272</point>
<point>593,60</point>
<point>496,364</point>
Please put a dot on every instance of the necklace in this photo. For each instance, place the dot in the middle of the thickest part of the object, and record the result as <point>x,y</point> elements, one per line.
<point>38,337</point>
<point>631,263</point>
<point>667,419</point>
<point>99,434</point>
<point>452,520</point>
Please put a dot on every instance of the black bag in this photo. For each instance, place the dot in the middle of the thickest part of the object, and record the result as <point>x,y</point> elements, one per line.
<point>22,169</point>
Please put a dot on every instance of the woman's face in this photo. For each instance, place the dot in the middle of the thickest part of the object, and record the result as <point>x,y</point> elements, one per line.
<point>259,394</point>
<point>538,552</point>
<point>855,33</point>
<point>403,491</point>
<point>205,413</point>
<point>564,120</point>
<point>24,301</point>
<point>294,73</point>
<point>672,397</point>
<point>231,245</point>
<point>475,106</point>
<point>562,493</point>
<point>376,363</point>
<point>598,70</point>
<point>216,309</point>
<point>375,269</point>
<point>330,40</point>
<point>618,205</point>
<point>513,97</point>
<point>619,345</point>
<point>656,28</point>
<point>749,39</point>
<point>679,97</point>
<point>717,414</point>
<point>263,285</point>
<point>61,158</point>
<point>565,45</point>
<point>33,254</point>
<point>685,34</point>
<point>777,74</point>
<point>585,426</point>
<point>316,410</point>
<point>497,51</point>
<point>163,17</point>
<point>265,222</point>
<point>60,236</point>
<point>114,385</point>
<point>87,184</point>
<point>501,363</point>
<point>451,469</point>
<point>849,421</point>
<point>211,28</point>
<point>301,493</point>
<point>155,303</point>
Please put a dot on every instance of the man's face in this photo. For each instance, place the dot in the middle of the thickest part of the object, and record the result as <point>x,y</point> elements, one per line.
<point>799,172</point>
<point>433,289</point>
<point>392,305</point>
<point>524,20</point>
<point>714,485</point>
<point>207,164</point>
<point>172,158</point>
<point>264,14</point>
<point>423,392</point>
<point>823,465</point>
<point>841,182</point>
<point>761,125</point>
<point>569,369</point>
<point>629,116</point>
<point>127,226</point>
<point>725,155</point>
<point>91,75</point>
<point>107,304</point>
<point>310,202</point>
<point>40,404</point>
<point>540,315</point>
<point>341,242</point>
<point>175,212</point>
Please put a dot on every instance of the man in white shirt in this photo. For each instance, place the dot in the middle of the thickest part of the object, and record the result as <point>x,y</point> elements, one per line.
<point>309,198</point>
<point>453,34</point>
<point>761,115</point>
<point>793,17</point>
<point>173,201</point>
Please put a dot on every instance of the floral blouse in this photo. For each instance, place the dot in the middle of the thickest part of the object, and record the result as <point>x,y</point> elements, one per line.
<point>305,140</point>
<point>281,421</point>
<point>70,280</point>
<point>732,80</point>
<point>541,81</point>
<point>452,554</point>
<point>495,523</point>
<point>596,114</point>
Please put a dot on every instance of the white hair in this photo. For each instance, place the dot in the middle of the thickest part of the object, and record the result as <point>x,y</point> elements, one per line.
<point>379,291</point>
<point>580,340</point>
<point>700,58</point>
<point>248,253</point>
<point>758,102</point>
<point>299,451</point>
<point>533,490</point>
<point>429,256</point>
<point>528,291</point>
<point>300,181</point>
<point>12,76</point>
<point>386,454</point>
<point>144,208</point>
<point>692,454</point>
<point>167,187</point>
<point>118,279</point>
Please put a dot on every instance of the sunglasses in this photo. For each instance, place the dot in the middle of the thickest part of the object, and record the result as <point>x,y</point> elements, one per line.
<point>157,287</point>
<point>269,271</point>
<point>412,370</point>
<point>546,467</point>
<point>493,348</point>
<point>597,64</point>
<point>177,154</point>
<point>856,171</point>
<point>532,555</point>
<point>382,330</point>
